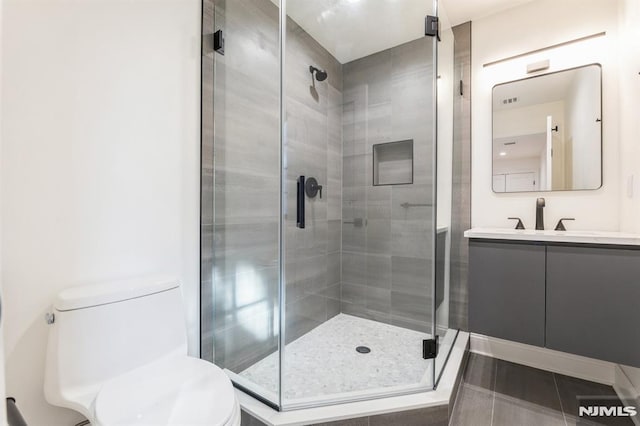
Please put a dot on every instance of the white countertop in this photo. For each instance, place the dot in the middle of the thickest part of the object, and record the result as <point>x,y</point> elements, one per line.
<point>583,237</point>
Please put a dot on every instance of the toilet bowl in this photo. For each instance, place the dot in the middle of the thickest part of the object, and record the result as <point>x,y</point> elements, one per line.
<point>117,354</point>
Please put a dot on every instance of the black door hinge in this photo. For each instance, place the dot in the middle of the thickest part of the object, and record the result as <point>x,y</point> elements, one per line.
<point>218,42</point>
<point>432,26</point>
<point>430,348</point>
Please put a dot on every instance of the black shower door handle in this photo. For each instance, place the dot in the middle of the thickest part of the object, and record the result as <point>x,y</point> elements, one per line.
<point>300,203</point>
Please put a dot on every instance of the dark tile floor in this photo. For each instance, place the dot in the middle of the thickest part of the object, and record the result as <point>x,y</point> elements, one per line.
<point>500,393</point>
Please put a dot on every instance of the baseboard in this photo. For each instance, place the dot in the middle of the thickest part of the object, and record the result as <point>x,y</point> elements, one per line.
<point>545,359</point>
<point>626,391</point>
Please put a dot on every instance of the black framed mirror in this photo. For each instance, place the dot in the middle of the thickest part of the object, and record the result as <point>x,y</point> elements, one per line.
<point>547,132</point>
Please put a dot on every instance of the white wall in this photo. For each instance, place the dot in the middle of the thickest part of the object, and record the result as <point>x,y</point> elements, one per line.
<point>100,162</point>
<point>519,30</point>
<point>629,81</point>
<point>3,414</point>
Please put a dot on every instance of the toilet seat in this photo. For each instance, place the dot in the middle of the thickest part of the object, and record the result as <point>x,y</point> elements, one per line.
<point>181,391</point>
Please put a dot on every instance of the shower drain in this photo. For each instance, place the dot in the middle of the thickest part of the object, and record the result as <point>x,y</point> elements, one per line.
<point>363,349</point>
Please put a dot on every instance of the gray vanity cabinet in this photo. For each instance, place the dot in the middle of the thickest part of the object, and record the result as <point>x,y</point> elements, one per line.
<point>575,298</point>
<point>593,302</point>
<point>507,290</point>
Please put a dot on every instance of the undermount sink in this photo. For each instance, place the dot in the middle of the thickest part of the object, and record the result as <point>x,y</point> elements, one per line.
<point>569,236</point>
<point>550,232</point>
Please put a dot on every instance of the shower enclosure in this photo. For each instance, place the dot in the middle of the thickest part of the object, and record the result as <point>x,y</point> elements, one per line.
<point>326,182</point>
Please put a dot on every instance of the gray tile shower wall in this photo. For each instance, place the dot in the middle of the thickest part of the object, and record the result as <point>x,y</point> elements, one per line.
<point>386,250</point>
<point>461,190</point>
<point>313,149</point>
<point>240,184</point>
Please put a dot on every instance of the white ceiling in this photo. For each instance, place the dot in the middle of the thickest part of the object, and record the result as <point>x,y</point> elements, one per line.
<point>461,11</point>
<point>352,29</point>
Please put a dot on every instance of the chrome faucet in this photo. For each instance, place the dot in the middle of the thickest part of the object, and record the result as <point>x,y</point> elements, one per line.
<point>539,214</point>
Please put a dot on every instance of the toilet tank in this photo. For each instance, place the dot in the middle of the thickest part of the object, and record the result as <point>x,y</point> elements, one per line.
<point>103,330</point>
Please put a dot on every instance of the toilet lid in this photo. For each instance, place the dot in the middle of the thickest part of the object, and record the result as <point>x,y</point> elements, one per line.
<point>181,391</point>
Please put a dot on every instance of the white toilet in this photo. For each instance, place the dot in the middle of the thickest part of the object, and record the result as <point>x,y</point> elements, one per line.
<point>117,353</point>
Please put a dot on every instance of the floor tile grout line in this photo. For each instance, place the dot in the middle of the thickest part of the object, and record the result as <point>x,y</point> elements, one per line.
<point>495,380</point>
<point>555,382</point>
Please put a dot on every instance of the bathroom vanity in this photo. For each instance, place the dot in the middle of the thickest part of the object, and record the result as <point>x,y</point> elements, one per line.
<point>576,292</point>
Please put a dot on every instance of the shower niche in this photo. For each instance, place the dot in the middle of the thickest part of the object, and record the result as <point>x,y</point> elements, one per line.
<point>393,163</point>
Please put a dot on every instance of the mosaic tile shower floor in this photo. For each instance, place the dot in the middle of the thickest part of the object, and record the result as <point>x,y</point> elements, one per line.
<point>325,361</point>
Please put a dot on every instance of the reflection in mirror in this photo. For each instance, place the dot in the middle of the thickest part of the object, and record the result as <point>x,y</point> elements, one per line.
<point>547,133</point>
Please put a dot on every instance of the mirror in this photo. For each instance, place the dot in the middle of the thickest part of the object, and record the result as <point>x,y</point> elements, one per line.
<point>547,132</point>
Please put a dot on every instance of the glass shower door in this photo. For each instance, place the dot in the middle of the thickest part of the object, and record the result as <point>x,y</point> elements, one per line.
<point>322,279</point>
<point>241,197</point>
<point>359,201</point>
<point>448,88</point>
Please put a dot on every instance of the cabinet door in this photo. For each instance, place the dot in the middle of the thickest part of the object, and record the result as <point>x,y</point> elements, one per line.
<point>593,302</point>
<point>506,290</point>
